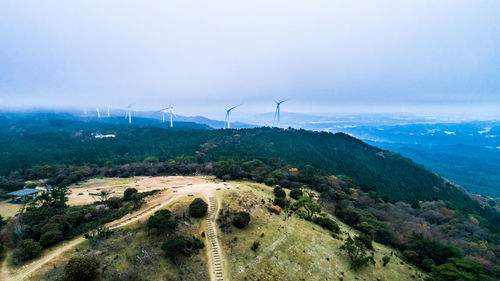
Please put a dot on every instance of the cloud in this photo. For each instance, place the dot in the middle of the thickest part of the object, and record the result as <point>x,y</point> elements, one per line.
<point>200,54</point>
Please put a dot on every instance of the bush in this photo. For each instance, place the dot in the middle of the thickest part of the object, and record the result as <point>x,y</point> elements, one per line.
<point>280,201</point>
<point>51,237</point>
<point>114,202</point>
<point>81,269</point>
<point>26,249</point>
<point>296,193</point>
<point>198,208</point>
<point>357,253</point>
<point>386,260</point>
<point>241,219</point>
<point>162,221</point>
<point>50,226</point>
<point>279,193</point>
<point>327,223</point>
<point>127,195</point>
<point>255,246</point>
<point>177,246</point>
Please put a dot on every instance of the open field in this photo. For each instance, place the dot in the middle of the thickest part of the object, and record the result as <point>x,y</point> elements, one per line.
<point>8,209</point>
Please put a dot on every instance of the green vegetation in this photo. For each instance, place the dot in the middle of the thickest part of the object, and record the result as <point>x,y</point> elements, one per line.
<point>356,250</point>
<point>198,208</point>
<point>382,194</point>
<point>81,269</point>
<point>241,219</point>
<point>459,270</point>
<point>163,221</point>
<point>127,194</point>
<point>181,246</point>
<point>26,249</point>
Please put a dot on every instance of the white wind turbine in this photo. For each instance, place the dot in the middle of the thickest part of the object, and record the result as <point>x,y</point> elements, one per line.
<point>227,124</point>
<point>170,109</point>
<point>98,113</point>
<point>277,112</point>
<point>129,108</point>
<point>108,112</point>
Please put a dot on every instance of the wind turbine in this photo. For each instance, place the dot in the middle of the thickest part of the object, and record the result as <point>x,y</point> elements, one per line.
<point>228,120</point>
<point>98,113</point>
<point>108,112</point>
<point>129,115</point>
<point>170,109</point>
<point>277,112</point>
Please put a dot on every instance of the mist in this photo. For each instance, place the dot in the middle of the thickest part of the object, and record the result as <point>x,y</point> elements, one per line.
<point>326,56</point>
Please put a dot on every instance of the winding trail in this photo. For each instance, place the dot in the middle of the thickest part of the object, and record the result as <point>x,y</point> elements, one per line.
<point>205,190</point>
<point>216,261</point>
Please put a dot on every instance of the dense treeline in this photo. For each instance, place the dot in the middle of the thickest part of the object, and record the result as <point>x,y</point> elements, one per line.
<point>26,149</point>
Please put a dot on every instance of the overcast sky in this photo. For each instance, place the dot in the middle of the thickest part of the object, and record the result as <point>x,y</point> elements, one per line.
<point>204,55</point>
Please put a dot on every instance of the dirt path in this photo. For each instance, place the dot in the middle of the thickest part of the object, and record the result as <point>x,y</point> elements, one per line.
<point>215,257</point>
<point>201,189</point>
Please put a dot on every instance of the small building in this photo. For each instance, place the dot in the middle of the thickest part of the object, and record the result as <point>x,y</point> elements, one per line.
<point>23,194</point>
<point>101,136</point>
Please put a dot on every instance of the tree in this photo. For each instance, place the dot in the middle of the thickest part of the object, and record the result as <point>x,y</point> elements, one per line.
<point>162,221</point>
<point>198,208</point>
<point>241,219</point>
<point>357,253</point>
<point>327,223</point>
<point>137,201</point>
<point>26,249</point>
<point>181,246</point>
<point>309,205</point>
<point>296,193</point>
<point>51,237</point>
<point>386,260</point>
<point>103,196</point>
<point>81,269</point>
<point>460,270</point>
<point>279,193</point>
<point>127,195</point>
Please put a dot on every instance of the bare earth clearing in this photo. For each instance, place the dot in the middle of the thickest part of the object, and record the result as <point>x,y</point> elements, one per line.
<point>183,186</point>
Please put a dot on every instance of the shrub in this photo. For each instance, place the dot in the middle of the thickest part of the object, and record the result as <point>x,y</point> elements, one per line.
<point>255,246</point>
<point>50,226</point>
<point>327,223</point>
<point>458,269</point>
<point>269,181</point>
<point>241,219</point>
<point>81,269</point>
<point>296,193</point>
<point>280,201</point>
<point>357,253</point>
<point>162,221</point>
<point>51,237</point>
<point>279,193</point>
<point>177,246</point>
<point>198,208</point>
<point>127,195</point>
<point>386,260</point>
<point>114,202</point>
<point>26,249</point>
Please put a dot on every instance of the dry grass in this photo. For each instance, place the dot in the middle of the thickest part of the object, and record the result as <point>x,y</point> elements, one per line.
<point>294,249</point>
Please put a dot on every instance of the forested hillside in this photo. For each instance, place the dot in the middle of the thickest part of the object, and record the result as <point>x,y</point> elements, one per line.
<point>24,145</point>
<point>380,193</point>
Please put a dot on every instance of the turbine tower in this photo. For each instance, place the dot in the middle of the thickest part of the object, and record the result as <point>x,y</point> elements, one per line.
<point>108,112</point>
<point>277,112</point>
<point>227,124</point>
<point>129,108</point>
<point>98,113</point>
<point>170,109</point>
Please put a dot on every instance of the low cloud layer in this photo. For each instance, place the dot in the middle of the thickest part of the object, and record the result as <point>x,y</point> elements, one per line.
<point>205,55</point>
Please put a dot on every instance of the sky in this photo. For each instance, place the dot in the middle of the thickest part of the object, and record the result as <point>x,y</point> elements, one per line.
<point>201,56</point>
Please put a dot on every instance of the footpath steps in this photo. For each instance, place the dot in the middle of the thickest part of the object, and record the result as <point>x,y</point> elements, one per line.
<point>214,243</point>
